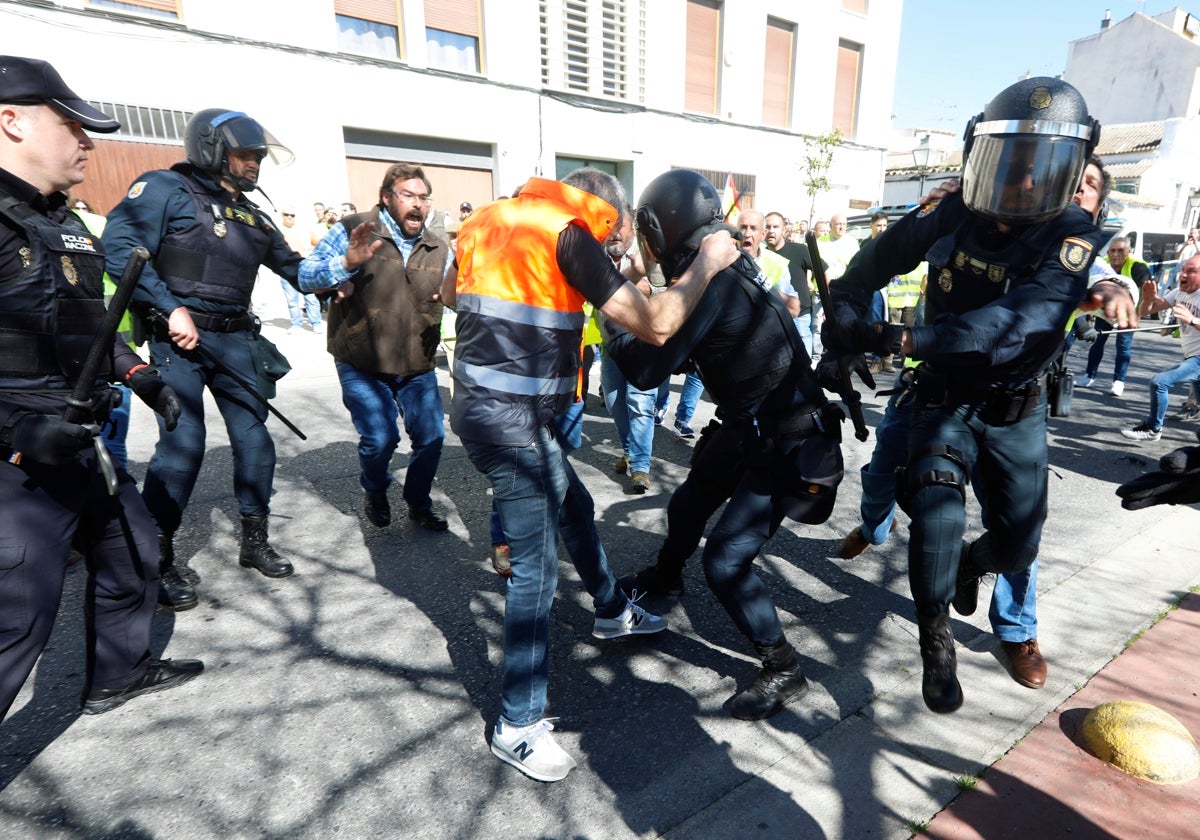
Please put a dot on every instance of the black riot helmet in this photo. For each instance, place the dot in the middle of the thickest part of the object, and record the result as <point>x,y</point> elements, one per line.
<point>1025,153</point>
<point>214,132</point>
<point>677,209</point>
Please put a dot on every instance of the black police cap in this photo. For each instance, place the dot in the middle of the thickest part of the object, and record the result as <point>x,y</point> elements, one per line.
<point>30,81</point>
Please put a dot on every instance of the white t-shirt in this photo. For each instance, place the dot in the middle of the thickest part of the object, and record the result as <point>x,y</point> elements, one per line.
<point>1189,335</point>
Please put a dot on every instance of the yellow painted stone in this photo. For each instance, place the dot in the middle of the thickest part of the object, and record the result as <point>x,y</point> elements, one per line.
<point>1142,740</point>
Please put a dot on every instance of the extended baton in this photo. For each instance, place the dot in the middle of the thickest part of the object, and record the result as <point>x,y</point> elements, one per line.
<point>849,396</point>
<point>1159,328</point>
<point>79,403</point>
<point>161,318</point>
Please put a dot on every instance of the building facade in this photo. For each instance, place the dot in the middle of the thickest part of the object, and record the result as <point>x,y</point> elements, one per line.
<point>486,93</point>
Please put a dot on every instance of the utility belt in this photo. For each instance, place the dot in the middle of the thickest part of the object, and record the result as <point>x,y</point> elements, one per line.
<point>804,421</point>
<point>214,322</point>
<point>996,406</point>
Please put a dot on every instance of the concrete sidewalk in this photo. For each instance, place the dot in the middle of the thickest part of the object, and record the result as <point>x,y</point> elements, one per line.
<point>355,699</point>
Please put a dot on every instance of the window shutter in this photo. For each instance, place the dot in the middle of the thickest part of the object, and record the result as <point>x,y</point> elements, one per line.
<point>845,89</point>
<point>379,11</point>
<point>700,76</point>
<point>459,16</point>
<point>777,73</point>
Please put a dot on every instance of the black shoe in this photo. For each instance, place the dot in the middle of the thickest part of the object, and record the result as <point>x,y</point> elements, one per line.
<point>378,509</point>
<point>778,682</point>
<point>651,581</point>
<point>428,520</point>
<point>939,682</point>
<point>174,592</point>
<point>966,586</point>
<point>160,675</point>
<point>257,552</point>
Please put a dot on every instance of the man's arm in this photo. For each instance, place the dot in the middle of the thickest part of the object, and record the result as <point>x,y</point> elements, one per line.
<point>338,257</point>
<point>656,319</point>
<point>450,286</point>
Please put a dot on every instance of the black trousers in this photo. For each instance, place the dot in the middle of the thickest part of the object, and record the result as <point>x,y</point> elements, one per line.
<point>42,508</point>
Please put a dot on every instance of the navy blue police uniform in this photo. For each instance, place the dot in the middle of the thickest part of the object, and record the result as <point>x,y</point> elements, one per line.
<point>51,306</point>
<point>772,413</point>
<point>997,303</point>
<point>206,249</point>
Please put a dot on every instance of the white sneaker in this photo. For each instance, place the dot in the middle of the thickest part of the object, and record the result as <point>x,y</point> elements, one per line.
<point>1084,381</point>
<point>634,621</point>
<point>1118,388</point>
<point>1142,431</point>
<point>531,749</point>
<point>319,329</point>
<point>293,329</point>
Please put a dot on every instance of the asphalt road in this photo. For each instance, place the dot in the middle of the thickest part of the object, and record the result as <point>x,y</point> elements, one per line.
<point>355,699</point>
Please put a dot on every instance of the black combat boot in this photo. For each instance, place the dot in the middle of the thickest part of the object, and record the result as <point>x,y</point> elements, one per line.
<point>257,552</point>
<point>174,590</point>
<point>966,585</point>
<point>939,683</point>
<point>778,682</point>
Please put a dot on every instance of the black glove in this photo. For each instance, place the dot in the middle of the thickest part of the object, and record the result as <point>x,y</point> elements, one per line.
<point>48,440</point>
<point>861,336</point>
<point>829,374</point>
<point>1085,330</point>
<point>1176,482</point>
<point>148,384</point>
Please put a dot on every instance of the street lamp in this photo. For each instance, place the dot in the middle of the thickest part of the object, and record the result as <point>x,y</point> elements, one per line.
<point>922,154</point>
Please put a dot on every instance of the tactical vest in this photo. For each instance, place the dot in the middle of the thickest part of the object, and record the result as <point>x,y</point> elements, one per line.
<point>51,311</point>
<point>520,323</point>
<point>391,324</point>
<point>217,256</point>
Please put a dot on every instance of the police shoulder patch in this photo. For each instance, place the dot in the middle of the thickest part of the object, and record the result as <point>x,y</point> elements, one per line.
<point>1074,253</point>
<point>928,208</point>
<point>136,190</point>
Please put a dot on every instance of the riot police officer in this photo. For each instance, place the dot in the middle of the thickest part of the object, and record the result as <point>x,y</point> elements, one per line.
<point>51,487</point>
<point>1008,264</point>
<point>207,240</point>
<point>776,451</point>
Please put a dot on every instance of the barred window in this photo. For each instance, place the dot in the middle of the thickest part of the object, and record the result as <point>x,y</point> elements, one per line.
<point>139,122</point>
<point>157,8</point>
<point>585,46</point>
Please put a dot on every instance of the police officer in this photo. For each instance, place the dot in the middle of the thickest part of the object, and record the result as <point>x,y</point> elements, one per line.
<point>207,241</point>
<point>51,487</point>
<point>1008,264</point>
<point>776,450</point>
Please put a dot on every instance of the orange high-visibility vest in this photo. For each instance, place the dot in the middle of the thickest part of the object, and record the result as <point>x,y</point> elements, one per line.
<point>520,323</point>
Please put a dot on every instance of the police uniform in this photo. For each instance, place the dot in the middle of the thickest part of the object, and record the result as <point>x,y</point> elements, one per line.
<point>51,305</point>
<point>746,349</point>
<point>207,247</point>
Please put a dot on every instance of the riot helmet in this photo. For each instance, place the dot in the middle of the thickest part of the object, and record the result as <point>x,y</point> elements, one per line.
<point>676,210</point>
<point>214,132</point>
<point>1025,153</point>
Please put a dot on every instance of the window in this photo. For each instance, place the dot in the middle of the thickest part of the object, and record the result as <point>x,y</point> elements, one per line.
<point>157,8</point>
<point>703,41</point>
<point>777,73</point>
<point>368,27</point>
<point>452,35</point>
<point>143,123</point>
<point>846,87</point>
<point>585,46</point>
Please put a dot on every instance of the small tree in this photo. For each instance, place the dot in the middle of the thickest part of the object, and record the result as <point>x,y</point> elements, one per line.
<point>818,158</point>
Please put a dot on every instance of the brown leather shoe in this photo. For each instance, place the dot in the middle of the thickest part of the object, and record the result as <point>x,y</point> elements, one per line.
<point>1026,663</point>
<point>853,545</point>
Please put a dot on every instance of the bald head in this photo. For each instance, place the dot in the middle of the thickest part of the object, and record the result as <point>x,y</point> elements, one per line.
<point>751,224</point>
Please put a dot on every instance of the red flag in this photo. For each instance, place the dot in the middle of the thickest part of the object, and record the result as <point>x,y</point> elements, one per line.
<point>729,199</point>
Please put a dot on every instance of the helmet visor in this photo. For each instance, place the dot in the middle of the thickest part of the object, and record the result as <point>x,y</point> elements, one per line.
<point>1022,178</point>
<point>241,133</point>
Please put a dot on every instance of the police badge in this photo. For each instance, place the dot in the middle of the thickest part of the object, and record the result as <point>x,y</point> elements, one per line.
<point>220,229</point>
<point>1074,253</point>
<point>68,269</point>
<point>26,254</point>
<point>960,259</point>
<point>996,273</point>
<point>945,281</point>
<point>1040,98</point>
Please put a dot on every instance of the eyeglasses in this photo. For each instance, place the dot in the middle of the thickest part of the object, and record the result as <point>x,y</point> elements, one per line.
<point>289,215</point>
<point>405,195</point>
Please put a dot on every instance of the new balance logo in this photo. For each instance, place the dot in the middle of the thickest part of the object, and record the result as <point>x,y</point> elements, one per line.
<point>523,750</point>
<point>637,618</point>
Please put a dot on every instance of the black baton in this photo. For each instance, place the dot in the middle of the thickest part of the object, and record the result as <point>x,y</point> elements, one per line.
<point>849,396</point>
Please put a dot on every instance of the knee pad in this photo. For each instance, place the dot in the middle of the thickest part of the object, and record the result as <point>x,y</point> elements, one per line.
<point>909,483</point>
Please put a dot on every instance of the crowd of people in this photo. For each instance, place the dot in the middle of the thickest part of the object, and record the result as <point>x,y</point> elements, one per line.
<point>673,287</point>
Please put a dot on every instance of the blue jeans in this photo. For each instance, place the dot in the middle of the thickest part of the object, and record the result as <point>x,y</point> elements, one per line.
<point>632,412</point>
<point>804,326</point>
<point>688,397</point>
<point>540,499</point>
<point>116,428</point>
<point>1096,354</point>
<point>1161,383</point>
<point>375,402</point>
<point>175,465</point>
<point>300,305</point>
<point>1014,598</point>
<point>569,426</point>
